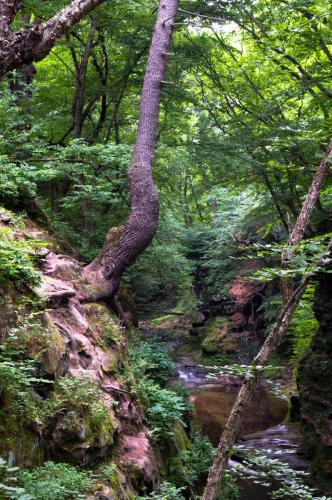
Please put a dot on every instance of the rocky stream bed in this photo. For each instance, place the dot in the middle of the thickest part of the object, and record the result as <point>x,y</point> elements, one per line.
<point>264,428</point>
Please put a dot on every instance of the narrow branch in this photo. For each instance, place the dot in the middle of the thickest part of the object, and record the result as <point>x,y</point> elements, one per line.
<point>302,220</point>
<point>195,14</point>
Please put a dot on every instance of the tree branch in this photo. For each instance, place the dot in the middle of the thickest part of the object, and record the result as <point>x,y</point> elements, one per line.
<point>33,44</point>
<point>8,10</point>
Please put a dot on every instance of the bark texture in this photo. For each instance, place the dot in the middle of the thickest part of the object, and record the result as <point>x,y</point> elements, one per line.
<point>123,244</point>
<point>33,44</point>
<point>230,433</point>
<point>8,10</point>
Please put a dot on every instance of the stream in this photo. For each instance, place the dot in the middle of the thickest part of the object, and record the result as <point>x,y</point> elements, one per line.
<point>262,429</point>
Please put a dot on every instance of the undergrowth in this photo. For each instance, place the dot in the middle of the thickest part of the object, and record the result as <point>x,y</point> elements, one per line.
<point>17,259</point>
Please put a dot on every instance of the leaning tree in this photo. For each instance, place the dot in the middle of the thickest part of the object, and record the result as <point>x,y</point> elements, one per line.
<point>123,244</point>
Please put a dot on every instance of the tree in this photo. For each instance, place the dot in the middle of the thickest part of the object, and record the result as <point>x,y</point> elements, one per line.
<point>123,244</point>
<point>231,430</point>
<point>33,44</point>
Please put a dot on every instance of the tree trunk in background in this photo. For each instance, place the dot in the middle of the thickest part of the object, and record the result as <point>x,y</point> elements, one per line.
<point>231,430</point>
<point>33,44</point>
<point>123,244</point>
<point>81,69</point>
<point>301,224</point>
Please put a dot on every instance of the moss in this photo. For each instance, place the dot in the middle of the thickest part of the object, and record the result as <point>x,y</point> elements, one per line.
<point>215,331</point>
<point>315,387</point>
<point>16,303</point>
<point>103,325</point>
<point>167,454</point>
<point>110,474</point>
<point>40,340</point>
<point>101,424</point>
<point>56,347</point>
<point>18,442</point>
<point>180,437</point>
<point>128,305</point>
<point>161,319</point>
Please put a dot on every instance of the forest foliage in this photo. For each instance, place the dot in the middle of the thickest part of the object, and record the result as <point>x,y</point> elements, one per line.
<point>245,120</point>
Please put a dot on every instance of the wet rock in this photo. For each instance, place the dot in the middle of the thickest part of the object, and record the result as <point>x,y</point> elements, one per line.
<point>197,318</point>
<point>216,330</point>
<point>138,457</point>
<point>197,331</point>
<point>315,387</point>
<point>108,360</point>
<point>56,348</point>
<point>61,266</point>
<point>5,218</point>
<point>233,342</point>
<point>243,291</point>
<point>238,320</point>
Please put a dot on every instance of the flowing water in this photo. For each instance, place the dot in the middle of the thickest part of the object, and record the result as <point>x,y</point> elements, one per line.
<point>262,430</point>
<point>263,427</point>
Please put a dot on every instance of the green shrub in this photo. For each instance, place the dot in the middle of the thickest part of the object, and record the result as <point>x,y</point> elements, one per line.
<point>8,482</point>
<point>30,336</point>
<point>111,333</point>
<point>54,481</point>
<point>165,491</point>
<point>229,489</point>
<point>109,473</point>
<point>17,378</point>
<point>303,327</point>
<point>152,360</point>
<point>150,367</point>
<point>197,460</point>
<point>162,408</point>
<point>17,258</point>
<point>79,396</point>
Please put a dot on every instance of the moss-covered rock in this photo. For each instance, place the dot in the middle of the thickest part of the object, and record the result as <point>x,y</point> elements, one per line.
<point>216,330</point>
<point>69,400</point>
<point>315,386</point>
<point>55,347</point>
<point>103,325</point>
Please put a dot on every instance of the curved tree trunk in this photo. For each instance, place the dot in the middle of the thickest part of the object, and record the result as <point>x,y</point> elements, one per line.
<point>123,244</point>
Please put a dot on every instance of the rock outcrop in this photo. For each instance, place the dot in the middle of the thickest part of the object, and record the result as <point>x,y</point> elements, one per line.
<point>315,386</point>
<point>80,347</point>
<point>238,330</point>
